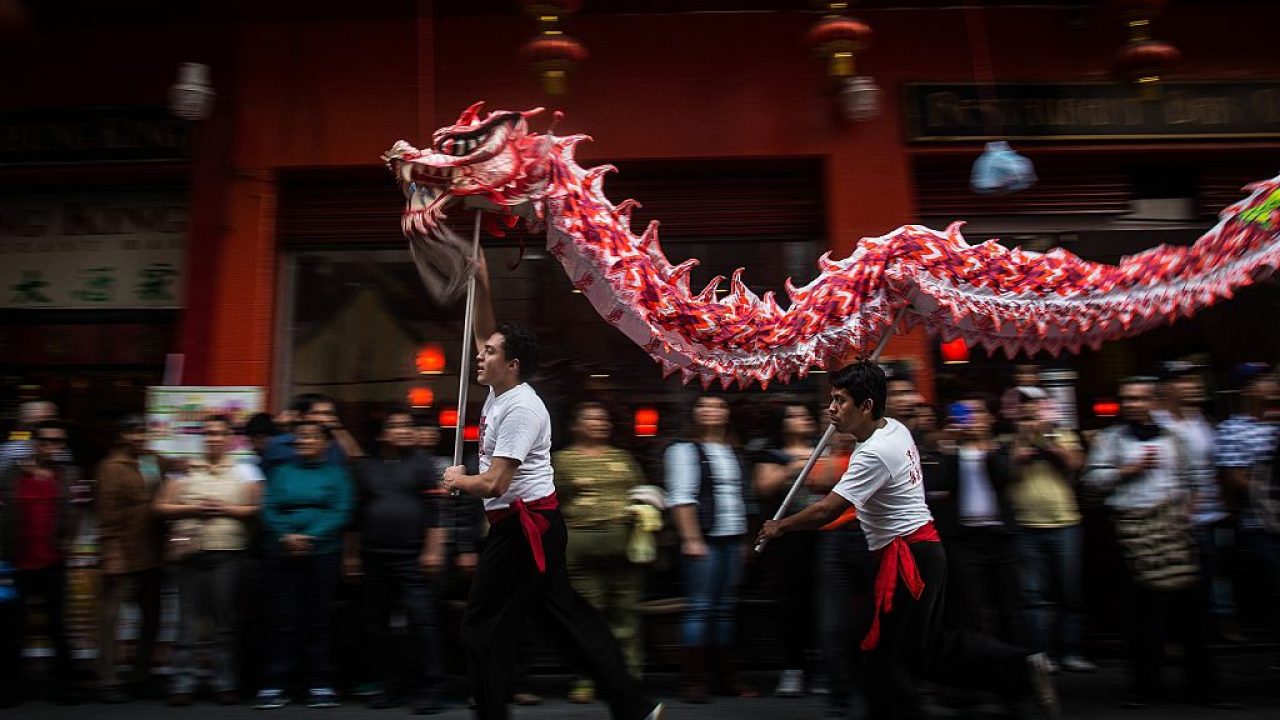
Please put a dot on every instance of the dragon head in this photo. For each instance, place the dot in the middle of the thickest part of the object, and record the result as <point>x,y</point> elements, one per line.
<point>494,163</point>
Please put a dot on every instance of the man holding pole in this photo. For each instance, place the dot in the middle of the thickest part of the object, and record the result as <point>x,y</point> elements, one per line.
<point>906,639</point>
<point>522,567</point>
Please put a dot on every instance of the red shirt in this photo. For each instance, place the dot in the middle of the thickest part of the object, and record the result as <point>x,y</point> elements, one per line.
<point>38,500</point>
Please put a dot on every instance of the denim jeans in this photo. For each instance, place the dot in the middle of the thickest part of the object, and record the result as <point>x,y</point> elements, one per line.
<point>1215,540</point>
<point>1051,586</point>
<point>711,587</point>
<point>208,586</point>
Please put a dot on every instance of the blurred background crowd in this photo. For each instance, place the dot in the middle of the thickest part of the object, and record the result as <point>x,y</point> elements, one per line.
<point>326,559</point>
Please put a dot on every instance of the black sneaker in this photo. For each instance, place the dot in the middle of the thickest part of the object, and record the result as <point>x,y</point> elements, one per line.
<point>382,701</point>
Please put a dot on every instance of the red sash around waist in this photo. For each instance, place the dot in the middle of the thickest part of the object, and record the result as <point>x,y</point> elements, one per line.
<point>896,561</point>
<point>534,525</point>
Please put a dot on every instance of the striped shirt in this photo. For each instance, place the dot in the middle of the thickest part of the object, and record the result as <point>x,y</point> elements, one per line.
<point>1246,442</point>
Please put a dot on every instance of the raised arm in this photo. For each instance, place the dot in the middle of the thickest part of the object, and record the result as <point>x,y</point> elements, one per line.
<point>483,323</point>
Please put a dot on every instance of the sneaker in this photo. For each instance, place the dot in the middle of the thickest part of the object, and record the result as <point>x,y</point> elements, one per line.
<point>790,684</point>
<point>382,701</point>
<point>1042,689</point>
<point>322,698</point>
<point>657,713</point>
<point>525,699</point>
<point>270,699</point>
<point>1078,664</point>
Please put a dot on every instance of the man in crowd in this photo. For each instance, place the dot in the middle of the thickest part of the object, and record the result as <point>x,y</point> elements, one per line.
<point>1247,444</point>
<point>130,535</point>
<point>37,525</point>
<point>1142,469</point>
<point>396,549</point>
<point>1182,395</point>
<point>1046,461</point>
<point>977,524</point>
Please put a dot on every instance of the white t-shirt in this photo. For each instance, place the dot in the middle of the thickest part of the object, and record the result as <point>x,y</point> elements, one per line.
<point>516,425</point>
<point>885,483</point>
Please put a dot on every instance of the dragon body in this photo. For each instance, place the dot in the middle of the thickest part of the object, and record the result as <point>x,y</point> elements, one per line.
<point>992,296</point>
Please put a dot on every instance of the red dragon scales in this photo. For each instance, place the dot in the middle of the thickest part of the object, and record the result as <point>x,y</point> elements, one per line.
<point>999,298</point>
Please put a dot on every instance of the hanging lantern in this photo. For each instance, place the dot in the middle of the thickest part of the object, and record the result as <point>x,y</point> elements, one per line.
<point>551,53</point>
<point>430,360</point>
<point>839,39</point>
<point>646,422</point>
<point>955,352</point>
<point>1106,408</point>
<point>421,397</point>
<point>1143,59</point>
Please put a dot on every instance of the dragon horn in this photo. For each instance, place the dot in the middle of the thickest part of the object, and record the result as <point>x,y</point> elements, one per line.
<point>468,116</point>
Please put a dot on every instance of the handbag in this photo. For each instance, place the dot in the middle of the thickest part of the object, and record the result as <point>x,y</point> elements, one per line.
<point>182,540</point>
<point>1157,546</point>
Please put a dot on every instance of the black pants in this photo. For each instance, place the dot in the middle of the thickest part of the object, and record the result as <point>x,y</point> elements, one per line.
<point>983,592</point>
<point>915,643</point>
<point>397,577</point>
<point>49,584</point>
<point>508,588</point>
<point>846,568</point>
<point>1181,614</point>
<point>791,571</point>
<point>302,590</point>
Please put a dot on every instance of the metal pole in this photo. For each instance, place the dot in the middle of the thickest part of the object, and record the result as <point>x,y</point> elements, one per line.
<point>823,442</point>
<point>468,348</point>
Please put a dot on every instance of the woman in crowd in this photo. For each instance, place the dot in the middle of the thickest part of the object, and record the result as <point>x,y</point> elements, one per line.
<point>791,561</point>
<point>710,497</point>
<point>209,509</point>
<point>306,506</point>
<point>594,480</point>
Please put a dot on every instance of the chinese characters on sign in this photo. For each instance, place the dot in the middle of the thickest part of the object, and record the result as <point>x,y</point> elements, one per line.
<point>99,251</point>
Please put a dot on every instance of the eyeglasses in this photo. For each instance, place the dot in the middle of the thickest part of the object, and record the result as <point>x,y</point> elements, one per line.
<point>52,440</point>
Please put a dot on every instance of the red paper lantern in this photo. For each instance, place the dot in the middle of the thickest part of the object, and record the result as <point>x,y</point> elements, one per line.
<point>421,397</point>
<point>1146,60</point>
<point>1106,408</point>
<point>839,39</point>
<point>430,360</point>
<point>955,352</point>
<point>448,417</point>
<point>552,57</point>
<point>646,422</point>
<point>471,433</point>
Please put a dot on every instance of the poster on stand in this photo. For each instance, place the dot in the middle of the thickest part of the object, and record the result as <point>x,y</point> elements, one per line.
<point>175,416</point>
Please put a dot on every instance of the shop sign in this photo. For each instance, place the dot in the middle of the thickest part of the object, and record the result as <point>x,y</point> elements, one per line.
<point>90,135</point>
<point>961,112</point>
<point>175,417</point>
<point>92,251</point>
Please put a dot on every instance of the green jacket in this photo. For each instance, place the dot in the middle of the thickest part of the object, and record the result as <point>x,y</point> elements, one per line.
<point>306,499</point>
